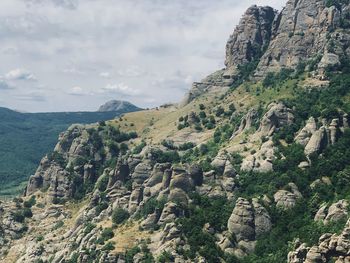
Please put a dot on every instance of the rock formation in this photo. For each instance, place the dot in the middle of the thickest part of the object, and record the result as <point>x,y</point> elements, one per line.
<point>250,37</point>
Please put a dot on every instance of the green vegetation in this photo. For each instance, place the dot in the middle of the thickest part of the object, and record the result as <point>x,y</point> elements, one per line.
<point>150,207</point>
<point>26,137</point>
<point>216,212</point>
<point>119,216</point>
<point>160,156</point>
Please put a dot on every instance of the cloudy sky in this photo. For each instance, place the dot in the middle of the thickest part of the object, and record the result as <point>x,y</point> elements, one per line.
<point>74,55</point>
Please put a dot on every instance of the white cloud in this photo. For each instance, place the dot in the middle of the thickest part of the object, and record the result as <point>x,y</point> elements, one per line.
<point>141,43</point>
<point>106,75</point>
<point>131,72</point>
<point>79,91</point>
<point>121,89</point>
<point>73,71</point>
<point>20,74</point>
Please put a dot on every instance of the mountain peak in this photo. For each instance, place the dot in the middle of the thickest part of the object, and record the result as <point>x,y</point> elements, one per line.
<point>118,105</point>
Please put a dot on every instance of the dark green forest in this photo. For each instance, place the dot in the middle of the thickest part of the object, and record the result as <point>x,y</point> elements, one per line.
<point>26,137</point>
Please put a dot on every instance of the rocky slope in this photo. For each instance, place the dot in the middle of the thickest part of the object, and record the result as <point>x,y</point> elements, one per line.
<point>251,167</point>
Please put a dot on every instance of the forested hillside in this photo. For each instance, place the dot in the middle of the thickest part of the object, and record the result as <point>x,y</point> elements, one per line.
<point>26,137</point>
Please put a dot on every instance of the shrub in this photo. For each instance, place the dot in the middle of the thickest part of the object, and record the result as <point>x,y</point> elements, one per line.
<point>31,202</point>
<point>58,225</point>
<point>108,247</point>
<point>89,227</point>
<point>119,216</point>
<point>139,148</point>
<point>107,234</point>
<point>165,157</point>
<point>18,217</point>
<point>27,212</point>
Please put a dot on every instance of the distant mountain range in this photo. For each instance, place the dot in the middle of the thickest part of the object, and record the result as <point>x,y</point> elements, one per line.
<point>26,137</point>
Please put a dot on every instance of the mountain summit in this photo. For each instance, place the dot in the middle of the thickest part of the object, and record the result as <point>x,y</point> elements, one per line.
<point>118,105</point>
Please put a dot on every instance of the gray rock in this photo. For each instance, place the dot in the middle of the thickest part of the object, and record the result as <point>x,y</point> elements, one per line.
<point>250,36</point>
<point>305,134</point>
<point>241,222</point>
<point>317,142</point>
<point>278,115</point>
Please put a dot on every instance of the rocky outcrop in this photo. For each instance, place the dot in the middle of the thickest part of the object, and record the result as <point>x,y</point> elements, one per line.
<point>301,30</point>
<point>247,122</point>
<point>303,137</point>
<point>317,142</point>
<point>287,199</point>
<point>277,115</point>
<point>261,161</point>
<point>336,212</point>
<point>330,247</point>
<point>250,37</point>
<point>216,82</point>
<point>247,221</point>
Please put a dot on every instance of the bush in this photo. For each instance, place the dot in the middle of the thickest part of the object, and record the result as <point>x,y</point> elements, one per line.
<point>108,247</point>
<point>58,225</point>
<point>106,234</point>
<point>27,212</point>
<point>165,257</point>
<point>18,217</point>
<point>165,157</point>
<point>89,227</point>
<point>139,148</point>
<point>119,216</point>
<point>31,202</point>
<point>150,207</point>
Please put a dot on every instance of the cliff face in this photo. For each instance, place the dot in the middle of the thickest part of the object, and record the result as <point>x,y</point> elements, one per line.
<point>251,36</point>
<point>302,30</point>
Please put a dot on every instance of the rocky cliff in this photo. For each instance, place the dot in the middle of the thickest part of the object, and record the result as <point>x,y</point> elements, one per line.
<point>250,164</point>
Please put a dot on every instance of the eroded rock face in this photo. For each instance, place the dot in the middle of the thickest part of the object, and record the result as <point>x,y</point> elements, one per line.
<point>300,31</point>
<point>287,199</point>
<point>241,222</point>
<point>330,246</point>
<point>278,115</point>
<point>247,122</point>
<point>317,142</point>
<point>335,212</point>
<point>261,161</point>
<point>247,221</point>
<point>250,36</point>
<point>303,137</point>
<point>208,84</point>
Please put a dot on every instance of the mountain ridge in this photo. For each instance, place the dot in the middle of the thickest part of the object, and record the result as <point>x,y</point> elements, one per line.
<point>253,165</point>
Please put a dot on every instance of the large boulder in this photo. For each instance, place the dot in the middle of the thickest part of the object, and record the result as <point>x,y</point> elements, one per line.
<point>317,142</point>
<point>303,137</point>
<point>241,222</point>
<point>287,199</point>
<point>277,116</point>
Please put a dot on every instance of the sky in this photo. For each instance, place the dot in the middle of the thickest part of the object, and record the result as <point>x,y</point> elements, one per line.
<point>74,55</point>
